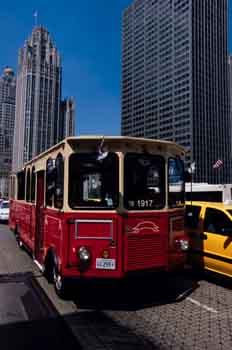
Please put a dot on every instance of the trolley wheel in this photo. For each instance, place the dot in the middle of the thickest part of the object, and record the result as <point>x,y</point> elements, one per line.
<point>48,268</point>
<point>17,237</point>
<point>59,284</point>
<point>20,243</point>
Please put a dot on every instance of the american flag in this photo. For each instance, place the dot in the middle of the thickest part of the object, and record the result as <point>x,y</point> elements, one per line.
<point>218,164</point>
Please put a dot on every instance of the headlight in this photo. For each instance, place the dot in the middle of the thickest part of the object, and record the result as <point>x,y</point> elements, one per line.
<point>84,254</point>
<point>184,244</point>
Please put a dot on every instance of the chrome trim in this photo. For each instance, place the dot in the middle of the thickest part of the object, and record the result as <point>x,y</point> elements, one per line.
<point>40,266</point>
<point>93,221</point>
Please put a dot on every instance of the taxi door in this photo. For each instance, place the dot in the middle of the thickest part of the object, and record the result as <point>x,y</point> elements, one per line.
<point>218,241</point>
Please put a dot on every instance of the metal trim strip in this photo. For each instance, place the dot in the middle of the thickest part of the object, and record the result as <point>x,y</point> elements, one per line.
<point>94,221</point>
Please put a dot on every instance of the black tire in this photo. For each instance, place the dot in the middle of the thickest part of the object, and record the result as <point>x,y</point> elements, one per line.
<point>51,272</point>
<point>48,268</point>
<point>60,284</point>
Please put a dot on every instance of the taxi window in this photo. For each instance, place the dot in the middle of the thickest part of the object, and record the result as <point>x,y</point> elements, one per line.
<point>192,216</point>
<point>216,221</point>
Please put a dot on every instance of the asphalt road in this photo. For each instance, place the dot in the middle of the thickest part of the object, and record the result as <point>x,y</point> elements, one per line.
<point>182,312</point>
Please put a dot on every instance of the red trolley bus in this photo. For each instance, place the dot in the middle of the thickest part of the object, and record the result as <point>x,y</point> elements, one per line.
<point>94,207</point>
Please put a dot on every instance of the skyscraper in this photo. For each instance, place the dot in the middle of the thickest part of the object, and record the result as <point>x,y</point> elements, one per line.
<point>67,118</point>
<point>175,79</point>
<point>230,85</point>
<point>7,119</point>
<point>38,95</point>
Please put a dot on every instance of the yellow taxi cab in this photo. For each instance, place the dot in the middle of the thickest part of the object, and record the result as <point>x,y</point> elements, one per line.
<point>209,227</point>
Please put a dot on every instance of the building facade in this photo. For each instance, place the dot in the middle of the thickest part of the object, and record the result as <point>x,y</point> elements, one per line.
<point>38,95</point>
<point>7,119</point>
<point>230,88</point>
<point>67,118</point>
<point>175,79</point>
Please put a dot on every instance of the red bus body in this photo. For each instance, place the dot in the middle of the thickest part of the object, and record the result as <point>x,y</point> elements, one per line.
<point>137,240</point>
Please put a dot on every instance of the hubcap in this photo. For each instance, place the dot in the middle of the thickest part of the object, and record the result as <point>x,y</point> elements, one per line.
<point>57,280</point>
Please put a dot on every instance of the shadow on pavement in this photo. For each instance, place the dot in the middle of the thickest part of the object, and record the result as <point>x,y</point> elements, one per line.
<point>28,320</point>
<point>216,278</point>
<point>132,293</point>
<point>37,334</point>
<point>96,331</point>
<point>4,222</point>
<point>212,277</point>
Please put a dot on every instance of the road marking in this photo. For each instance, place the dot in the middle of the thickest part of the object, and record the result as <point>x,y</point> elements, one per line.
<point>203,306</point>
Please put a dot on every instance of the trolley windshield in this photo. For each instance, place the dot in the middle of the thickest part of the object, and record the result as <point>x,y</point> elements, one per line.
<point>144,182</point>
<point>93,182</point>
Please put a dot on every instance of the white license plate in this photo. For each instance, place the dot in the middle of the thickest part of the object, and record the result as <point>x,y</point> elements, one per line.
<point>105,264</point>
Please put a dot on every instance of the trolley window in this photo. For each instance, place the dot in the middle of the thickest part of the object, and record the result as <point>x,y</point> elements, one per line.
<point>93,182</point>
<point>28,186</point>
<point>13,185</point>
<point>21,185</point>
<point>144,181</point>
<point>176,182</point>
<point>59,183</point>
<point>33,185</point>
<point>50,181</point>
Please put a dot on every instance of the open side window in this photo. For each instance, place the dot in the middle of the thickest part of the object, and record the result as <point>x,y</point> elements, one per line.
<point>28,186</point>
<point>21,185</point>
<point>59,182</point>
<point>50,181</point>
<point>33,185</point>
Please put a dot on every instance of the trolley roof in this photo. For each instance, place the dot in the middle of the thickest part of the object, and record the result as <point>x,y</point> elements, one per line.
<point>75,141</point>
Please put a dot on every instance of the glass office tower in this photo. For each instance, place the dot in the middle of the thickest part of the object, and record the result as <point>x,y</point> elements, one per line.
<point>175,79</point>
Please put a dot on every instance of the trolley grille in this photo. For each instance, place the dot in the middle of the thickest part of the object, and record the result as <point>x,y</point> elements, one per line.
<point>145,251</point>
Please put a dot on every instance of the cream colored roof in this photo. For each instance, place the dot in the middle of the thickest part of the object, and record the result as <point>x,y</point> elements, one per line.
<point>171,146</point>
<point>128,139</point>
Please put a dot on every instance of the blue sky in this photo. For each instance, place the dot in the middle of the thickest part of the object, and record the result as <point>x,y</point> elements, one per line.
<point>88,36</point>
